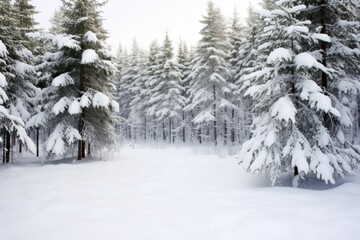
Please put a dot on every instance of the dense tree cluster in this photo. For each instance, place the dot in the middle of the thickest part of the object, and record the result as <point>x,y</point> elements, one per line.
<point>283,86</point>
<point>59,84</point>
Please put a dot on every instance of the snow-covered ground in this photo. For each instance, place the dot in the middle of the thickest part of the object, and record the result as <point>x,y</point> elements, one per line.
<point>167,194</point>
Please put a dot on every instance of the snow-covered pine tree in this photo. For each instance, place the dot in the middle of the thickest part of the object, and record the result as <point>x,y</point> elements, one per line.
<point>209,78</point>
<point>130,74</point>
<point>288,132</point>
<point>340,20</point>
<point>15,91</point>
<point>122,64</point>
<point>82,86</point>
<point>245,63</point>
<point>142,92</point>
<point>183,59</point>
<point>25,21</point>
<point>57,22</point>
<point>165,99</point>
<point>237,36</point>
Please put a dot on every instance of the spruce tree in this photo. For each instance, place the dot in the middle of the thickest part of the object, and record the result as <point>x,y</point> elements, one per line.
<point>209,77</point>
<point>15,91</point>
<point>166,101</point>
<point>82,103</point>
<point>288,132</point>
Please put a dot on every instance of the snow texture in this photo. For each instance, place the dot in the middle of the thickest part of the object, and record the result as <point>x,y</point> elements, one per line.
<point>100,100</point>
<point>62,80</point>
<point>90,37</point>
<point>89,56</point>
<point>3,51</point>
<point>167,194</point>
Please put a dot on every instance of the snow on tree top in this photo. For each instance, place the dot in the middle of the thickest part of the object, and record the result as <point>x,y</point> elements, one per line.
<point>284,109</point>
<point>90,37</point>
<point>74,107</point>
<point>321,37</point>
<point>82,19</point>
<point>23,68</point>
<point>100,100</point>
<point>62,80</point>
<point>308,61</point>
<point>89,56</point>
<point>279,54</point>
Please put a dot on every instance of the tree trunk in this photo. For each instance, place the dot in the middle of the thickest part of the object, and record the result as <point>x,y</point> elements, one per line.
<point>215,122</point>
<point>89,149</point>
<point>145,129</point>
<point>83,147</point>
<point>81,123</point>
<point>4,146</point>
<point>37,141</point>
<point>164,133</point>
<point>8,147</point>
<point>183,129</point>
<point>296,171</point>
<point>199,135</point>
<point>170,131</point>
<point>232,126</point>
<point>13,138</point>
<point>20,147</point>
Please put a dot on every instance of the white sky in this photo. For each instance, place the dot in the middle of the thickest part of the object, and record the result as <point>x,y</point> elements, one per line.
<point>150,19</point>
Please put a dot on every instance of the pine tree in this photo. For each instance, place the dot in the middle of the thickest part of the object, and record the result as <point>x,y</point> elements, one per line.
<point>130,74</point>
<point>82,104</point>
<point>209,75</point>
<point>288,134</point>
<point>15,91</point>
<point>57,22</point>
<point>340,20</point>
<point>183,59</point>
<point>166,101</point>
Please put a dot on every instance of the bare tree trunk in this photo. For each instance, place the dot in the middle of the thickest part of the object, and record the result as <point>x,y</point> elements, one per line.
<point>164,131</point>
<point>183,128</point>
<point>37,141</point>
<point>89,149</point>
<point>83,147</point>
<point>170,131</point>
<point>81,123</point>
<point>145,129</point>
<point>215,115</point>
<point>8,147</point>
<point>4,146</point>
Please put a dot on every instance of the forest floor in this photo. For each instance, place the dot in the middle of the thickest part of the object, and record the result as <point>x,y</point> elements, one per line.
<point>160,193</point>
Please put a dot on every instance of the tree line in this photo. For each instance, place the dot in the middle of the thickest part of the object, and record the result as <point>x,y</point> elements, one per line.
<point>284,86</point>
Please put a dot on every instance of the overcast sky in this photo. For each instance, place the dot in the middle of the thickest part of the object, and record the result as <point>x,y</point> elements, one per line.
<point>149,19</point>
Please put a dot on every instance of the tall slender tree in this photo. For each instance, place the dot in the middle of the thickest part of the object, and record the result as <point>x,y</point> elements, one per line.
<point>210,74</point>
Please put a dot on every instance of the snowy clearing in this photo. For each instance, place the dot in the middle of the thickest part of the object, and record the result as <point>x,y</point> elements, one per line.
<point>167,194</point>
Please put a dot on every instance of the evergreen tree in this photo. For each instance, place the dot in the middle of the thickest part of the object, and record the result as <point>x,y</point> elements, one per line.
<point>209,75</point>
<point>340,20</point>
<point>57,22</point>
<point>288,134</point>
<point>130,74</point>
<point>15,91</point>
<point>166,101</point>
<point>82,86</point>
